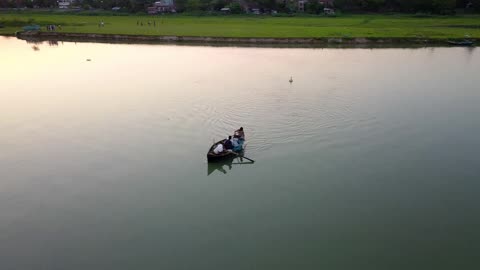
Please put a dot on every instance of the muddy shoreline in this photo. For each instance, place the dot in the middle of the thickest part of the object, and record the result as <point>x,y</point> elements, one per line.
<point>226,41</point>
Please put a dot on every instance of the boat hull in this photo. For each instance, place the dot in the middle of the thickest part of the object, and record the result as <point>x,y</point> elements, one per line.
<point>220,158</point>
<point>226,155</point>
<point>461,43</point>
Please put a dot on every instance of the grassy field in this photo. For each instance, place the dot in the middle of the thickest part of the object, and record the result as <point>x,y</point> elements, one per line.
<point>246,26</point>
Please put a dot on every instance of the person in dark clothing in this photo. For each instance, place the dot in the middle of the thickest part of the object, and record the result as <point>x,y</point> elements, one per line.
<point>228,143</point>
<point>239,133</point>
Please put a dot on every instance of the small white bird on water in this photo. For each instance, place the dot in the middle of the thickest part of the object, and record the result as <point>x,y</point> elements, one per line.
<point>291,79</point>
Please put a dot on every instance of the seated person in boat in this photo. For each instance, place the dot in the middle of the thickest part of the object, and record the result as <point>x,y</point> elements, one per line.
<point>239,134</point>
<point>228,143</point>
<point>237,144</point>
<point>218,149</point>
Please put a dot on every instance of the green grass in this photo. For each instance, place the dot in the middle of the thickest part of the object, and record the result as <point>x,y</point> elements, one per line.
<point>374,26</point>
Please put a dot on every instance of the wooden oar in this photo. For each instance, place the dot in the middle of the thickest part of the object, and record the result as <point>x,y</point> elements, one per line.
<point>242,163</point>
<point>243,157</point>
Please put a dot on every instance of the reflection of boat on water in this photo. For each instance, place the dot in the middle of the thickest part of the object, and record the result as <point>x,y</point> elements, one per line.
<point>230,161</point>
<point>213,166</point>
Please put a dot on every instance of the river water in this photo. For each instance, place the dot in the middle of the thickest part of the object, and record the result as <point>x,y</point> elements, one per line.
<point>368,160</point>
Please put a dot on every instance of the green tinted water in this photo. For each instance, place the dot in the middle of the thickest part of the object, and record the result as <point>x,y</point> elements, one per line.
<point>368,160</point>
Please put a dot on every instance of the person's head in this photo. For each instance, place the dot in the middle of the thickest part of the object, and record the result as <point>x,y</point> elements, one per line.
<point>241,128</point>
<point>229,137</point>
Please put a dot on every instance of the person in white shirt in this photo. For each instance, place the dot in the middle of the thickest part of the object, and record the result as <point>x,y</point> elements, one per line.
<point>218,149</point>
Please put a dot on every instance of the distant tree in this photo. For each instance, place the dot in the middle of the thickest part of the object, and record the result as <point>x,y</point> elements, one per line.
<point>311,7</point>
<point>290,6</point>
<point>370,5</point>
<point>437,6</point>
<point>181,5</point>
<point>217,4</point>
<point>461,3</point>
<point>29,3</point>
<point>476,4</point>
<point>9,4</point>
<point>193,5</point>
<point>136,5</point>
<point>391,4</point>
<point>94,4</point>
<point>281,6</point>
<point>204,5</point>
<point>314,7</point>
<point>442,6</point>
<point>19,3</point>
<point>415,5</point>
<point>235,8</point>
<point>270,4</point>
<point>345,4</point>
<point>46,3</point>
<point>108,4</point>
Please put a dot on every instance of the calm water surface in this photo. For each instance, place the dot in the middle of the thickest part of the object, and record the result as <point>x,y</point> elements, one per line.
<point>369,160</point>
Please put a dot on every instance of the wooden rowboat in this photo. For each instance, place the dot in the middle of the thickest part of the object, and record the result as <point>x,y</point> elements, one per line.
<point>31,28</point>
<point>461,43</point>
<point>225,155</point>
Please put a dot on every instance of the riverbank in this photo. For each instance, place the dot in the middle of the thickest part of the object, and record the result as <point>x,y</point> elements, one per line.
<point>353,29</point>
<point>353,26</point>
<point>323,42</point>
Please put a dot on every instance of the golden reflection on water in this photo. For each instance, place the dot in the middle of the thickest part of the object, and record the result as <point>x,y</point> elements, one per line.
<point>108,156</point>
<point>56,84</point>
